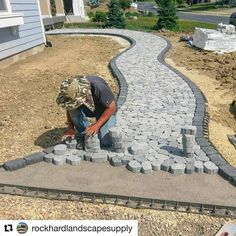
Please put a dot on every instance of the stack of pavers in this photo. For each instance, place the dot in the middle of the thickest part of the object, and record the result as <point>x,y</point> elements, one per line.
<point>93,151</point>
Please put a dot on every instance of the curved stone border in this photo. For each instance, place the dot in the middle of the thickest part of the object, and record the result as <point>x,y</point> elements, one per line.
<point>200,116</point>
<point>201,120</point>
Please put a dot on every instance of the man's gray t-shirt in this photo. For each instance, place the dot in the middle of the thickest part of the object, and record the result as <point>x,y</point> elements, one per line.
<point>101,92</point>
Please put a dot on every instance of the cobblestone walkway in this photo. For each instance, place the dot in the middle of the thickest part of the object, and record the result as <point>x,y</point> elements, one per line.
<point>158,104</point>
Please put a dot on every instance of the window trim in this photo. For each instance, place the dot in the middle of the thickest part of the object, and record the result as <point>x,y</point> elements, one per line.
<point>9,19</point>
<point>8,8</point>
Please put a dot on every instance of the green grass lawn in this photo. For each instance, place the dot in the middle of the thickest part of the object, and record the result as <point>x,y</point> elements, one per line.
<point>147,24</point>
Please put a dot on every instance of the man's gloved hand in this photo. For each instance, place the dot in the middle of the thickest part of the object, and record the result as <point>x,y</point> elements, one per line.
<point>92,129</point>
<point>70,133</point>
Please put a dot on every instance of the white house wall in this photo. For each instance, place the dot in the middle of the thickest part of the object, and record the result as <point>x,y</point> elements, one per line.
<point>29,35</point>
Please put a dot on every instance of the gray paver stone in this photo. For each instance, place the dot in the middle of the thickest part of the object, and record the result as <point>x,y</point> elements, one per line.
<point>99,157</point>
<point>88,156</point>
<point>138,148</point>
<point>199,166</point>
<point>15,164</point>
<point>59,160</point>
<point>126,159</point>
<point>189,130</point>
<point>119,150</point>
<point>116,161</point>
<point>177,168</point>
<point>93,149</point>
<point>190,168</point>
<point>146,167</point>
<point>73,160</point>
<point>140,158</point>
<point>60,149</point>
<point>156,164</point>
<point>49,157</point>
<point>115,132</point>
<point>162,157</point>
<point>34,158</point>
<point>210,168</point>
<point>190,160</point>
<point>163,152</point>
<point>134,166</point>
<point>92,141</point>
<point>203,158</point>
<point>178,159</point>
<point>167,164</point>
<point>71,144</point>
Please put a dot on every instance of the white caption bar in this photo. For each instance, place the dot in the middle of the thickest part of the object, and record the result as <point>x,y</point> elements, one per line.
<point>69,227</point>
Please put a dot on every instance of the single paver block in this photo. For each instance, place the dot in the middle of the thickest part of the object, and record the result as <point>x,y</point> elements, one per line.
<point>134,166</point>
<point>163,152</point>
<point>115,132</point>
<point>202,157</point>
<point>210,168</point>
<point>93,149</point>
<point>138,148</point>
<point>167,164</point>
<point>177,168</point>
<point>190,160</point>
<point>119,150</point>
<point>15,164</point>
<point>88,156</point>
<point>199,166</point>
<point>126,159</point>
<point>116,161</point>
<point>73,160</point>
<point>71,144</point>
<point>227,171</point>
<point>178,159</point>
<point>140,158</point>
<point>59,160</point>
<point>146,167</point>
<point>156,164</point>
<point>99,157</point>
<point>190,168</point>
<point>162,157</point>
<point>49,157</point>
<point>189,130</point>
<point>92,142</point>
<point>34,158</point>
<point>60,149</point>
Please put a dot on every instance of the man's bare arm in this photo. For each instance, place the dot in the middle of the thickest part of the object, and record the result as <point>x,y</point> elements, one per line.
<point>93,129</point>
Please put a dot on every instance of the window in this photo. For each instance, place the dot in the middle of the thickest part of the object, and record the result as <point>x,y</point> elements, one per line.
<point>7,18</point>
<point>3,5</point>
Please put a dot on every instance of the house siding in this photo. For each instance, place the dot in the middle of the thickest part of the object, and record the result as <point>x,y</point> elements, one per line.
<point>30,34</point>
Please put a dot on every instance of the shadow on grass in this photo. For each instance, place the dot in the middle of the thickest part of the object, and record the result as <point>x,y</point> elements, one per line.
<point>50,138</point>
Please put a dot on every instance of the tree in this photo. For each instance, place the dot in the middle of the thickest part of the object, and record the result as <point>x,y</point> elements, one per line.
<point>115,16</point>
<point>167,15</point>
<point>125,4</point>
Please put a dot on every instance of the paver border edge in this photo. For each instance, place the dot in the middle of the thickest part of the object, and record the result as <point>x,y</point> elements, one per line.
<point>201,121</point>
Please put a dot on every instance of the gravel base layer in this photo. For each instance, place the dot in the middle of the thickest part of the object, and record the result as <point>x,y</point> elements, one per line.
<point>150,222</point>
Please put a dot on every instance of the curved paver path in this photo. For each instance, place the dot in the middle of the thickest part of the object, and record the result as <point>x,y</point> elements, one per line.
<point>158,102</point>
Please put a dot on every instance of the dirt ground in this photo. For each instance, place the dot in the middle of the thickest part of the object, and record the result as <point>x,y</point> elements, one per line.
<point>30,120</point>
<point>215,75</point>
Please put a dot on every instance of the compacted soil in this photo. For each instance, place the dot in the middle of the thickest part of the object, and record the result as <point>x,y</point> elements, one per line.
<point>30,120</point>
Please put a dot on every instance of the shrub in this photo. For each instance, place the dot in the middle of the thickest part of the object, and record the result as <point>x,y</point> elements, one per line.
<point>115,16</point>
<point>90,15</point>
<point>100,16</point>
<point>167,15</point>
